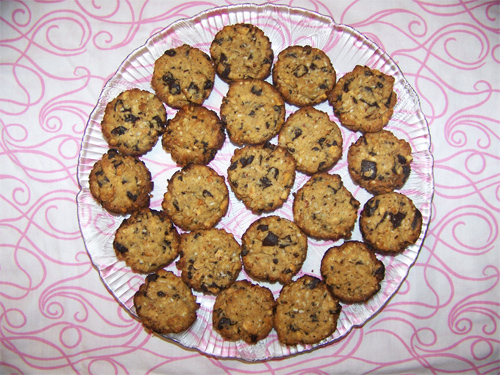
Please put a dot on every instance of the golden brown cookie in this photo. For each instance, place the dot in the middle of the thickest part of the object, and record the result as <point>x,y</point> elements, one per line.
<point>183,75</point>
<point>196,198</point>
<point>244,311</point>
<point>379,162</point>
<point>253,112</point>
<point>306,312</point>
<point>364,100</point>
<point>261,176</point>
<point>352,271</point>
<point>209,259</point>
<point>241,51</point>
<point>390,222</point>
<point>323,208</point>
<point>194,135</point>
<point>273,249</point>
<point>314,141</point>
<point>165,304</point>
<point>133,122</point>
<point>304,75</point>
<point>146,241</point>
<point>120,183</point>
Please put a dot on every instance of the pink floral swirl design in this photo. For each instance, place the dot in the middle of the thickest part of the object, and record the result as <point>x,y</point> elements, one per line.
<point>55,315</point>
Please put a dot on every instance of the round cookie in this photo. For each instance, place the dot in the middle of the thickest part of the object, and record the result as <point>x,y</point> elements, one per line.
<point>133,122</point>
<point>352,272</point>
<point>196,198</point>
<point>183,75</point>
<point>120,183</point>
<point>244,311</point>
<point>165,304</point>
<point>323,208</point>
<point>306,312</point>
<point>314,141</point>
<point>364,100</point>
<point>273,249</point>
<point>379,162</point>
<point>252,111</point>
<point>390,222</point>
<point>241,51</point>
<point>194,135</point>
<point>147,241</point>
<point>261,176</point>
<point>209,259</point>
<point>304,75</point>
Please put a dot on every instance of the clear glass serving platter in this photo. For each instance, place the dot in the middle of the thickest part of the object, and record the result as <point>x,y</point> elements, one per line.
<point>285,26</point>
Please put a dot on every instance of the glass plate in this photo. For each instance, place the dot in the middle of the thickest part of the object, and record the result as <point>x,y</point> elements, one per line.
<point>284,26</point>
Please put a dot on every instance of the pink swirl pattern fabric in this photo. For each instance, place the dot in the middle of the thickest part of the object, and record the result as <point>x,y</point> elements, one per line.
<point>56,314</point>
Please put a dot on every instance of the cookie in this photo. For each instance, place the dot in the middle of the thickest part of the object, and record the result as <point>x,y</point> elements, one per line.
<point>306,312</point>
<point>147,241</point>
<point>194,135</point>
<point>304,75</point>
<point>261,176</point>
<point>120,183</point>
<point>273,249</point>
<point>241,51</point>
<point>323,208</point>
<point>314,141</point>
<point>252,111</point>
<point>165,304</point>
<point>209,259</point>
<point>379,162</point>
<point>244,311</point>
<point>352,272</point>
<point>183,75</point>
<point>390,222</point>
<point>364,100</point>
<point>196,197</point>
<point>133,122</point>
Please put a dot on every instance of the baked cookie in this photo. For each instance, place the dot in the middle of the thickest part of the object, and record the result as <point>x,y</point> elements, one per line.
<point>133,122</point>
<point>120,183</point>
<point>252,111</point>
<point>306,312</point>
<point>352,272</point>
<point>209,259</point>
<point>323,208</point>
<point>304,75</point>
<point>273,249</point>
<point>183,75</point>
<point>379,162</point>
<point>363,100</point>
<point>314,140</point>
<point>244,311</point>
<point>390,222</point>
<point>241,51</point>
<point>147,241</point>
<point>196,198</point>
<point>261,176</point>
<point>165,304</point>
<point>194,135</point>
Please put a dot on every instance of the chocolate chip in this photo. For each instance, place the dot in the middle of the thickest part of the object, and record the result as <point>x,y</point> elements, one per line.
<point>152,277</point>
<point>416,219</point>
<point>371,207</point>
<point>256,91</point>
<point>265,182</point>
<point>129,117</point>
<point>170,52</point>
<point>396,219</point>
<point>160,294</point>
<point>193,87</point>
<point>368,170</point>
<point>312,283</point>
<point>224,322</point>
<point>246,161</point>
<point>206,193</point>
<point>209,84</point>
<point>119,130</point>
<point>119,247</point>
<point>131,196</point>
<point>263,227</point>
<point>270,240</point>
<point>300,71</point>
<point>296,133</point>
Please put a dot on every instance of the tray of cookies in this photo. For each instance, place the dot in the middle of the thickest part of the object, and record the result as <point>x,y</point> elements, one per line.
<point>256,181</point>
